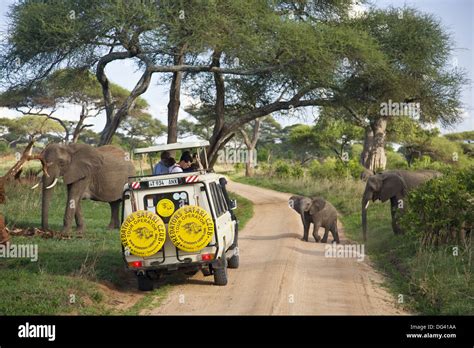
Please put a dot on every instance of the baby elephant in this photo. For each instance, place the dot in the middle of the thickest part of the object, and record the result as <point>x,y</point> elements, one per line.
<point>318,211</point>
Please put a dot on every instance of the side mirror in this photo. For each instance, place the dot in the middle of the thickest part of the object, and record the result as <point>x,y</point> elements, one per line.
<point>233,204</point>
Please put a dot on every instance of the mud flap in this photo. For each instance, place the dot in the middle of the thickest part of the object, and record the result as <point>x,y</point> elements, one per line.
<point>219,263</point>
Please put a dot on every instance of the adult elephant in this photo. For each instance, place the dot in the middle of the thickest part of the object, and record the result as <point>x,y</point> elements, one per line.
<point>393,185</point>
<point>89,173</point>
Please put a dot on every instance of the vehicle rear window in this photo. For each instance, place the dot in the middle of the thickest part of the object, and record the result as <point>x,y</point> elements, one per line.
<point>165,204</point>
<point>218,199</point>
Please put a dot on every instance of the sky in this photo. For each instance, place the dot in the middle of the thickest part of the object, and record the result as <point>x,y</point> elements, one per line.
<point>455,15</point>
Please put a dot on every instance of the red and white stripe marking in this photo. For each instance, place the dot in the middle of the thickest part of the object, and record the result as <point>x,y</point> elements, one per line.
<point>135,185</point>
<point>191,179</point>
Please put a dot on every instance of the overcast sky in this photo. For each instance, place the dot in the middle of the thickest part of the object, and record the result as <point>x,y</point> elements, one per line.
<point>456,16</point>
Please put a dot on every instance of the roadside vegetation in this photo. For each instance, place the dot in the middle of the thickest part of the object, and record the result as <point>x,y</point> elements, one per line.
<point>434,280</point>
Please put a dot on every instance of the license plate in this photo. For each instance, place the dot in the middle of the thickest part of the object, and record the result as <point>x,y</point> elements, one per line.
<point>163,182</point>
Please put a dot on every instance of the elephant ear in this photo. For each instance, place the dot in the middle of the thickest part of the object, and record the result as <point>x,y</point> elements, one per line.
<point>393,185</point>
<point>318,204</point>
<point>85,160</point>
<point>306,204</point>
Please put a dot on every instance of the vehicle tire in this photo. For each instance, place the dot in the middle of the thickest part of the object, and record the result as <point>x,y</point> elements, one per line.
<point>233,261</point>
<point>220,275</point>
<point>144,283</point>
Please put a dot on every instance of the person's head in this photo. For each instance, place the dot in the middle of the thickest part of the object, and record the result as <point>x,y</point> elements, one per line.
<point>169,161</point>
<point>185,160</point>
<point>165,155</point>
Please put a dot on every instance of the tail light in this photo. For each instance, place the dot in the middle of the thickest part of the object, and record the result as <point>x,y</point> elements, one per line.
<point>136,264</point>
<point>206,257</point>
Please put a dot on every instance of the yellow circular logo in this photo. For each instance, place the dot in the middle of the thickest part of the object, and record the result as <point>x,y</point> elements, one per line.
<point>165,207</point>
<point>143,233</point>
<point>191,228</point>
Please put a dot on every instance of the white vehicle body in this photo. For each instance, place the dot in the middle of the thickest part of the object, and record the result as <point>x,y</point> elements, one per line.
<point>200,188</point>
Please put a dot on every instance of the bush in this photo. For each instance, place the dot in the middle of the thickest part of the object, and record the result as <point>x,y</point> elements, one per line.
<point>441,208</point>
<point>282,169</point>
<point>425,162</point>
<point>327,169</point>
<point>355,168</point>
<point>297,171</point>
<point>238,167</point>
<point>396,160</point>
<point>3,147</point>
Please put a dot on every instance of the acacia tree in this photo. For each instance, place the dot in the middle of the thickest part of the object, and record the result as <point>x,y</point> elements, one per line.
<point>65,87</point>
<point>44,36</point>
<point>416,71</point>
<point>141,129</point>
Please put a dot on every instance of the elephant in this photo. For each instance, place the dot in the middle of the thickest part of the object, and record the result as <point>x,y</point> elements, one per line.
<point>92,173</point>
<point>393,185</point>
<point>365,174</point>
<point>318,211</point>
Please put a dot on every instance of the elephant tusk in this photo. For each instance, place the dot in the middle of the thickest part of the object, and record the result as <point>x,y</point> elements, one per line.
<point>33,187</point>
<point>53,184</point>
<point>367,205</point>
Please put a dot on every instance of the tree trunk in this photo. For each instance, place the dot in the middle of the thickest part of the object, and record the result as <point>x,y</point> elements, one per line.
<point>175,97</point>
<point>373,154</point>
<point>215,146</point>
<point>251,144</point>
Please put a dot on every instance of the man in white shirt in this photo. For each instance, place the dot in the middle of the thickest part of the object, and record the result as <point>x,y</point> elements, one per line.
<point>184,162</point>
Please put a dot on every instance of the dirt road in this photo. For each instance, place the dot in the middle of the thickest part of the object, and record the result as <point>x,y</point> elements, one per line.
<point>280,274</point>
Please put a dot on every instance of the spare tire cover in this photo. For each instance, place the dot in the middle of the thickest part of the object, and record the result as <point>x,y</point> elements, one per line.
<point>191,228</point>
<point>143,233</point>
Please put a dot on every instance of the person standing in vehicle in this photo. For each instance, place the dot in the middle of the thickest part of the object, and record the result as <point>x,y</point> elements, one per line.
<point>162,167</point>
<point>184,162</point>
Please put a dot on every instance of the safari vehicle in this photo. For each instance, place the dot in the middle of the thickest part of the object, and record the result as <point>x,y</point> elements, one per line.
<point>178,222</point>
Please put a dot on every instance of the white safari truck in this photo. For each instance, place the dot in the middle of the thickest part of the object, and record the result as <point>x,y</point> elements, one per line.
<point>178,222</point>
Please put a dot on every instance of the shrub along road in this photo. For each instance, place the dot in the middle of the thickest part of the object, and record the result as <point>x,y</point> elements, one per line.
<point>280,274</point>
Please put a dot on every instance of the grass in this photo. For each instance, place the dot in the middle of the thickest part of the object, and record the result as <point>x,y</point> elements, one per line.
<point>244,211</point>
<point>433,282</point>
<point>79,267</point>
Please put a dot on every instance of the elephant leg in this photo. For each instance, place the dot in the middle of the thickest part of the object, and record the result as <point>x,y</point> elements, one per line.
<point>79,218</point>
<point>306,225</point>
<point>335,234</point>
<point>316,226</point>
<point>326,234</point>
<point>74,194</point>
<point>395,212</point>
<point>114,215</point>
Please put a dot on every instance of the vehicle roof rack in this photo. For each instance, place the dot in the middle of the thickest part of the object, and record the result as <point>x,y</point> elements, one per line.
<point>175,146</point>
<point>168,147</point>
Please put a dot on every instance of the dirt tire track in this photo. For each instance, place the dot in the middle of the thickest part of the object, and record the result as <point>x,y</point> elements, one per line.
<point>280,274</point>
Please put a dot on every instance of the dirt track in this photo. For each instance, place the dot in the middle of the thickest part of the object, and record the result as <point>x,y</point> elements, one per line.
<point>280,274</point>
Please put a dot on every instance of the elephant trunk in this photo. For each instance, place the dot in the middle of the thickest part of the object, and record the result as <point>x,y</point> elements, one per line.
<point>365,204</point>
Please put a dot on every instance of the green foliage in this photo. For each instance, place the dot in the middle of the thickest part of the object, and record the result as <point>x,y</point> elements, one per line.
<point>23,129</point>
<point>297,171</point>
<point>355,168</point>
<point>395,160</point>
<point>328,169</point>
<point>282,169</point>
<point>3,147</point>
<point>425,162</point>
<point>441,207</point>
<point>140,130</point>
<point>238,166</point>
